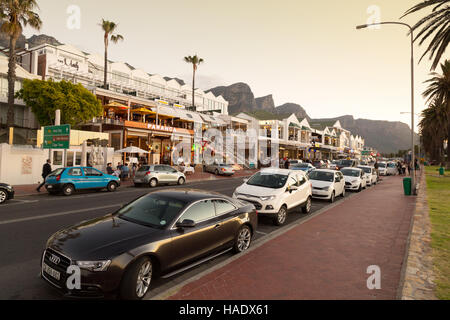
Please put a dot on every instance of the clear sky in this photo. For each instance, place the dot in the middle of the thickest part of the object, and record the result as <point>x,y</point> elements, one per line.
<point>306,52</point>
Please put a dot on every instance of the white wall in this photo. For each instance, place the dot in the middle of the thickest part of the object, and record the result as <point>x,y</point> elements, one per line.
<point>13,168</point>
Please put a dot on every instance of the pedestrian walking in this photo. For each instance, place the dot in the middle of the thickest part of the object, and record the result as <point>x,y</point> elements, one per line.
<point>109,169</point>
<point>286,163</point>
<point>46,170</point>
<point>125,171</point>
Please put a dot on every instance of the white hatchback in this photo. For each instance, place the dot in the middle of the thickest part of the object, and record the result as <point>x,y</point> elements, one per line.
<point>275,191</point>
<point>327,184</point>
<point>354,179</point>
<point>371,174</point>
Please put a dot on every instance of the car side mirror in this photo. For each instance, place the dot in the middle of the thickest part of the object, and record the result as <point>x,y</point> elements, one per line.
<point>185,224</point>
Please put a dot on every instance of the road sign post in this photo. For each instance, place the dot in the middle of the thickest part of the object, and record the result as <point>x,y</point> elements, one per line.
<point>57,137</point>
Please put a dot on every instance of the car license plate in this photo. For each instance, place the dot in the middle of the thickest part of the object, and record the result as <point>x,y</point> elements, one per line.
<point>55,274</point>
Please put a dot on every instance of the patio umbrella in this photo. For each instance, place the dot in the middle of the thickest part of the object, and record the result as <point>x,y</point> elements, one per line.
<point>143,111</point>
<point>117,105</point>
<point>131,150</point>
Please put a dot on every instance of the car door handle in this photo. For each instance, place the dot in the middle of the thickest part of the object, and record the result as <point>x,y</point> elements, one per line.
<point>217,226</point>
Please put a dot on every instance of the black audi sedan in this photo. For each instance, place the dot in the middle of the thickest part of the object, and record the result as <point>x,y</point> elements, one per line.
<point>159,234</point>
<point>6,192</point>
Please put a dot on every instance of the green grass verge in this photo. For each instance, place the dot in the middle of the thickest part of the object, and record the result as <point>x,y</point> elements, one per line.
<point>438,193</point>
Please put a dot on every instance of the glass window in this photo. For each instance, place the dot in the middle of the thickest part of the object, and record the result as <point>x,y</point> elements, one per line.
<point>200,211</point>
<point>57,158</point>
<point>70,158</point>
<point>75,172</point>
<point>78,158</point>
<point>153,210</point>
<point>160,168</point>
<point>91,172</point>
<point>223,206</point>
<point>292,181</point>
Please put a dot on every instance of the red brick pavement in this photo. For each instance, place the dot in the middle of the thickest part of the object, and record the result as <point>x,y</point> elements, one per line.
<point>324,258</point>
<point>30,189</point>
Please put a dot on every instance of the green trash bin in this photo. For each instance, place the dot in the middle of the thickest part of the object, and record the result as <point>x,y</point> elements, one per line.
<point>407,186</point>
<point>441,171</point>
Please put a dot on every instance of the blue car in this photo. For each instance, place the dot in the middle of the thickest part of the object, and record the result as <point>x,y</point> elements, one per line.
<point>68,180</point>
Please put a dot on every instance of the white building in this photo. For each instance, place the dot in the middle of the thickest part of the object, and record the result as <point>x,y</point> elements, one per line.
<point>69,63</point>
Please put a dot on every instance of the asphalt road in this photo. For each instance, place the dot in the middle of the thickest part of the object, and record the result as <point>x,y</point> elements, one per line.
<point>27,222</point>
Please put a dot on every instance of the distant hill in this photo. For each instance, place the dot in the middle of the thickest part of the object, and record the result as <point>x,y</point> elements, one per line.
<point>385,136</point>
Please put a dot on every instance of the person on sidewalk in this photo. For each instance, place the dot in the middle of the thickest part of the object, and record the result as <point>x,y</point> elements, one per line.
<point>109,169</point>
<point>46,170</point>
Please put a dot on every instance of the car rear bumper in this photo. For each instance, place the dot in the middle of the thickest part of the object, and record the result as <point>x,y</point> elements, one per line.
<point>54,187</point>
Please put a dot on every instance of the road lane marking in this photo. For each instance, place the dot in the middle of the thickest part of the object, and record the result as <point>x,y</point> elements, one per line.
<point>51,215</point>
<point>260,232</point>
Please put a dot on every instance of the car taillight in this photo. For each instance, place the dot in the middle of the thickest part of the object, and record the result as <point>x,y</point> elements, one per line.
<point>58,178</point>
<point>223,170</point>
<point>148,173</point>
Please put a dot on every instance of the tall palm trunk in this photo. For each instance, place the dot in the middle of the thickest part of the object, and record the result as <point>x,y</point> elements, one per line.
<point>448,135</point>
<point>105,82</point>
<point>193,90</point>
<point>11,82</point>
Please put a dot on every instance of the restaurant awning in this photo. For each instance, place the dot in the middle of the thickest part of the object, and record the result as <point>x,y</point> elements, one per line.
<point>189,116</point>
<point>117,105</point>
<point>142,111</point>
<point>166,111</point>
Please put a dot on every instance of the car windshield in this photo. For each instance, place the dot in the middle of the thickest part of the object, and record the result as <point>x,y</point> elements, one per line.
<point>382,165</point>
<point>347,163</point>
<point>144,168</point>
<point>392,165</point>
<point>350,173</point>
<point>268,180</point>
<point>301,165</point>
<point>225,165</point>
<point>152,210</point>
<point>366,170</point>
<point>321,176</point>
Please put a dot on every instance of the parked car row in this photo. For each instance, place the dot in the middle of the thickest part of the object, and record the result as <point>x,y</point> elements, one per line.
<point>169,231</point>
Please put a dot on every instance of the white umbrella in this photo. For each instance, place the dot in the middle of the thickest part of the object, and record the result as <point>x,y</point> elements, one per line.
<point>131,150</point>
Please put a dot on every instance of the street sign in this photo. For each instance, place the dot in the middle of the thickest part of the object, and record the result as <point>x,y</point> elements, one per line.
<point>57,137</point>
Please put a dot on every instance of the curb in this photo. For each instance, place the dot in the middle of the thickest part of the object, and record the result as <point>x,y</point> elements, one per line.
<point>417,276</point>
<point>258,243</point>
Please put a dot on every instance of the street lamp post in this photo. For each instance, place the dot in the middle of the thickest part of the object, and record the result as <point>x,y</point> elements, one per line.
<point>420,138</point>
<point>413,180</point>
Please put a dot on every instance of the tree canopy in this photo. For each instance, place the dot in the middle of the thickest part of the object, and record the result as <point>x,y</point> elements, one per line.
<point>77,104</point>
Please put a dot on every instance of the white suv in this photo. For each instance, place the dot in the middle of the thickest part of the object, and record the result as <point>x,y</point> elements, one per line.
<point>275,191</point>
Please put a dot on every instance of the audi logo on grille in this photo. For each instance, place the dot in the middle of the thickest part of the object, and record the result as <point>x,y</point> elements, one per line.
<point>54,259</point>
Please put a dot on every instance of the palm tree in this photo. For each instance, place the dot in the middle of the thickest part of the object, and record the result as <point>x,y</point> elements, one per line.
<point>438,92</point>
<point>109,27</point>
<point>437,23</point>
<point>196,61</point>
<point>433,129</point>
<point>16,14</point>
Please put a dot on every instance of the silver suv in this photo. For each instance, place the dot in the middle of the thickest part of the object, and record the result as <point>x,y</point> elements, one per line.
<point>153,175</point>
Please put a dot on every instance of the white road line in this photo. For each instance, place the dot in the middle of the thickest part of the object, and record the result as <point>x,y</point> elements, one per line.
<point>264,233</point>
<point>57,214</point>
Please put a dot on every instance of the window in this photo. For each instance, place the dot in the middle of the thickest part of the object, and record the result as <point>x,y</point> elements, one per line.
<point>78,159</point>
<point>301,180</point>
<point>292,182</point>
<point>91,172</point>
<point>69,159</point>
<point>76,172</point>
<point>160,168</point>
<point>57,158</point>
<point>223,206</point>
<point>200,211</point>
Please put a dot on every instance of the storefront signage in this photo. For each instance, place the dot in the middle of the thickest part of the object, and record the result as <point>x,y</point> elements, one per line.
<point>70,63</point>
<point>162,102</point>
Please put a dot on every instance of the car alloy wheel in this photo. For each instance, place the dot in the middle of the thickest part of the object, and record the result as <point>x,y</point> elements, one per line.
<point>281,216</point>
<point>144,278</point>
<point>3,196</point>
<point>243,239</point>
<point>308,205</point>
<point>68,190</point>
<point>112,186</point>
<point>153,183</point>
<point>181,181</point>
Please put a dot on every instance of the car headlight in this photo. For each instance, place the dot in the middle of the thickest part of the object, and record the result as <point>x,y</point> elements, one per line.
<point>94,265</point>
<point>267,198</point>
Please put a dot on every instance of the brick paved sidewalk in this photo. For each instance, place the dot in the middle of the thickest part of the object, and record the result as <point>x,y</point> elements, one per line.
<point>324,258</point>
<point>30,189</point>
